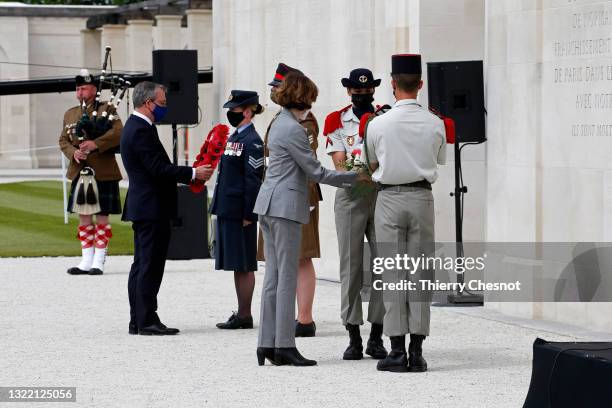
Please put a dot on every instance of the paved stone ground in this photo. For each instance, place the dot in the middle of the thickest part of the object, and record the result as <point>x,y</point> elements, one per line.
<point>61,330</point>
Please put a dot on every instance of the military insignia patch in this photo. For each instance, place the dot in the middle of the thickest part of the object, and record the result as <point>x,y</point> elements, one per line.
<point>350,140</point>
<point>363,79</point>
<point>256,163</point>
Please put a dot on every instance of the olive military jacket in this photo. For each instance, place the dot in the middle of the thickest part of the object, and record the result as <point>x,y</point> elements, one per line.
<point>102,160</point>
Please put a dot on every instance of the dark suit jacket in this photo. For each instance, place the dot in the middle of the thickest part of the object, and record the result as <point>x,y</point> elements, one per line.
<point>152,190</point>
<point>239,177</point>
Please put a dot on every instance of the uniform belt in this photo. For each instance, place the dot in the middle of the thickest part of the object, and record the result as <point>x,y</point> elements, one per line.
<point>418,184</point>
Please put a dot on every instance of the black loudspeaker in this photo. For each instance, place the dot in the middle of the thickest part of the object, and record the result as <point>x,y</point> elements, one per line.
<point>456,90</point>
<point>189,238</point>
<point>177,70</point>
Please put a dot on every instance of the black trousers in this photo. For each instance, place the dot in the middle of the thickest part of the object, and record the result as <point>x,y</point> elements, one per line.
<point>151,239</point>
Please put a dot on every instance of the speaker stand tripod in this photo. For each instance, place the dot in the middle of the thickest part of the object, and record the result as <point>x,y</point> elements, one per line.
<point>461,297</point>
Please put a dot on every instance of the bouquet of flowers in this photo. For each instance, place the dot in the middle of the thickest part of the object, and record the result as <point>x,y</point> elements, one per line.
<point>354,162</point>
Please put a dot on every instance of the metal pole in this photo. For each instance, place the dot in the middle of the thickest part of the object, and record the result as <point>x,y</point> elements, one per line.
<point>174,144</point>
<point>65,192</point>
<point>460,297</point>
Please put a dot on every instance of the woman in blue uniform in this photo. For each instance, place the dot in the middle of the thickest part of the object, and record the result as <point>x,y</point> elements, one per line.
<point>238,180</point>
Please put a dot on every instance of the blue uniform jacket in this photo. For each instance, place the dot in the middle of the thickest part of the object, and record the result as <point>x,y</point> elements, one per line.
<point>239,176</point>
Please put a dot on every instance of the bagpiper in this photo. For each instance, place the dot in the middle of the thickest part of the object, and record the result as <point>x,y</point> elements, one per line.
<point>354,215</point>
<point>89,139</point>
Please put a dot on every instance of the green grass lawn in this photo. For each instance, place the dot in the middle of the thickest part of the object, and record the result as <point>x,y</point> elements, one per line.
<point>32,223</point>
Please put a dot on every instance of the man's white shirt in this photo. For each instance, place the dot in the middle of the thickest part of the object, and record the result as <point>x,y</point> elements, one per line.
<point>141,116</point>
<point>408,142</point>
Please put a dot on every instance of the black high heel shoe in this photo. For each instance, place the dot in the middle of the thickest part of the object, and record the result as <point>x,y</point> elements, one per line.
<point>264,353</point>
<point>292,356</point>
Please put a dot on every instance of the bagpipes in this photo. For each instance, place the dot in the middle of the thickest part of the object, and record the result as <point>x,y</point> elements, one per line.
<point>210,153</point>
<point>90,128</point>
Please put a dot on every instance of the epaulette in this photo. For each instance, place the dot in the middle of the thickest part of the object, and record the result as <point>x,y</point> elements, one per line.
<point>366,117</point>
<point>333,121</point>
<point>449,125</point>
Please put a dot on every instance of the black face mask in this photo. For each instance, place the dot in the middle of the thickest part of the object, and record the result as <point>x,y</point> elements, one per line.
<point>235,118</point>
<point>362,101</point>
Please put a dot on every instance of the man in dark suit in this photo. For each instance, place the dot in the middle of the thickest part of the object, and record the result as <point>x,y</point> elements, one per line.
<point>150,204</point>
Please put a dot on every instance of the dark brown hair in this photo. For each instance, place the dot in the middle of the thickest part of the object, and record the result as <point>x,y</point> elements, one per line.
<point>296,91</point>
<point>407,82</point>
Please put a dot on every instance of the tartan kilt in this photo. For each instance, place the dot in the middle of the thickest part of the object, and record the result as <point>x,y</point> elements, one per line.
<point>108,196</point>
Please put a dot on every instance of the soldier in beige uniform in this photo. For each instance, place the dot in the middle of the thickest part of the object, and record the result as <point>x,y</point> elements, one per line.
<point>98,154</point>
<point>404,147</point>
<point>354,214</point>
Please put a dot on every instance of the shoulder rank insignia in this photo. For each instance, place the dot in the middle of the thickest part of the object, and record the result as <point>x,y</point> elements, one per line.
<point>256,163</point>
<point>333,122</point>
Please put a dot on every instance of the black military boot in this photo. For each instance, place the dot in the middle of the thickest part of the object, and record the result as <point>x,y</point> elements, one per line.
<point>376,348</point>
<point>417,363</point>
<point>354,351</point>
<point>396,361</point>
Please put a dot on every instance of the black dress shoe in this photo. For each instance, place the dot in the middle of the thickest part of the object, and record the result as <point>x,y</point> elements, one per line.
<point>77,271</point>
<point>291,356</point>
<point>95,271</point>
<point>169,330</point>
<point>236,322</point>
<point>132,328</point>
<point>154,330</point>
<point>396,361</point>
<point>354,351</point>
<point>266,353</point>
<point>305,330</point>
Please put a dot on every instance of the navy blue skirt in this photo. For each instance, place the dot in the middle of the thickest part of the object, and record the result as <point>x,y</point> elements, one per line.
<point>235,246</point>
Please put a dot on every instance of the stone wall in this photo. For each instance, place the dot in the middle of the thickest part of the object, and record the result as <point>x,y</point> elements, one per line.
<point>549,70</point>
